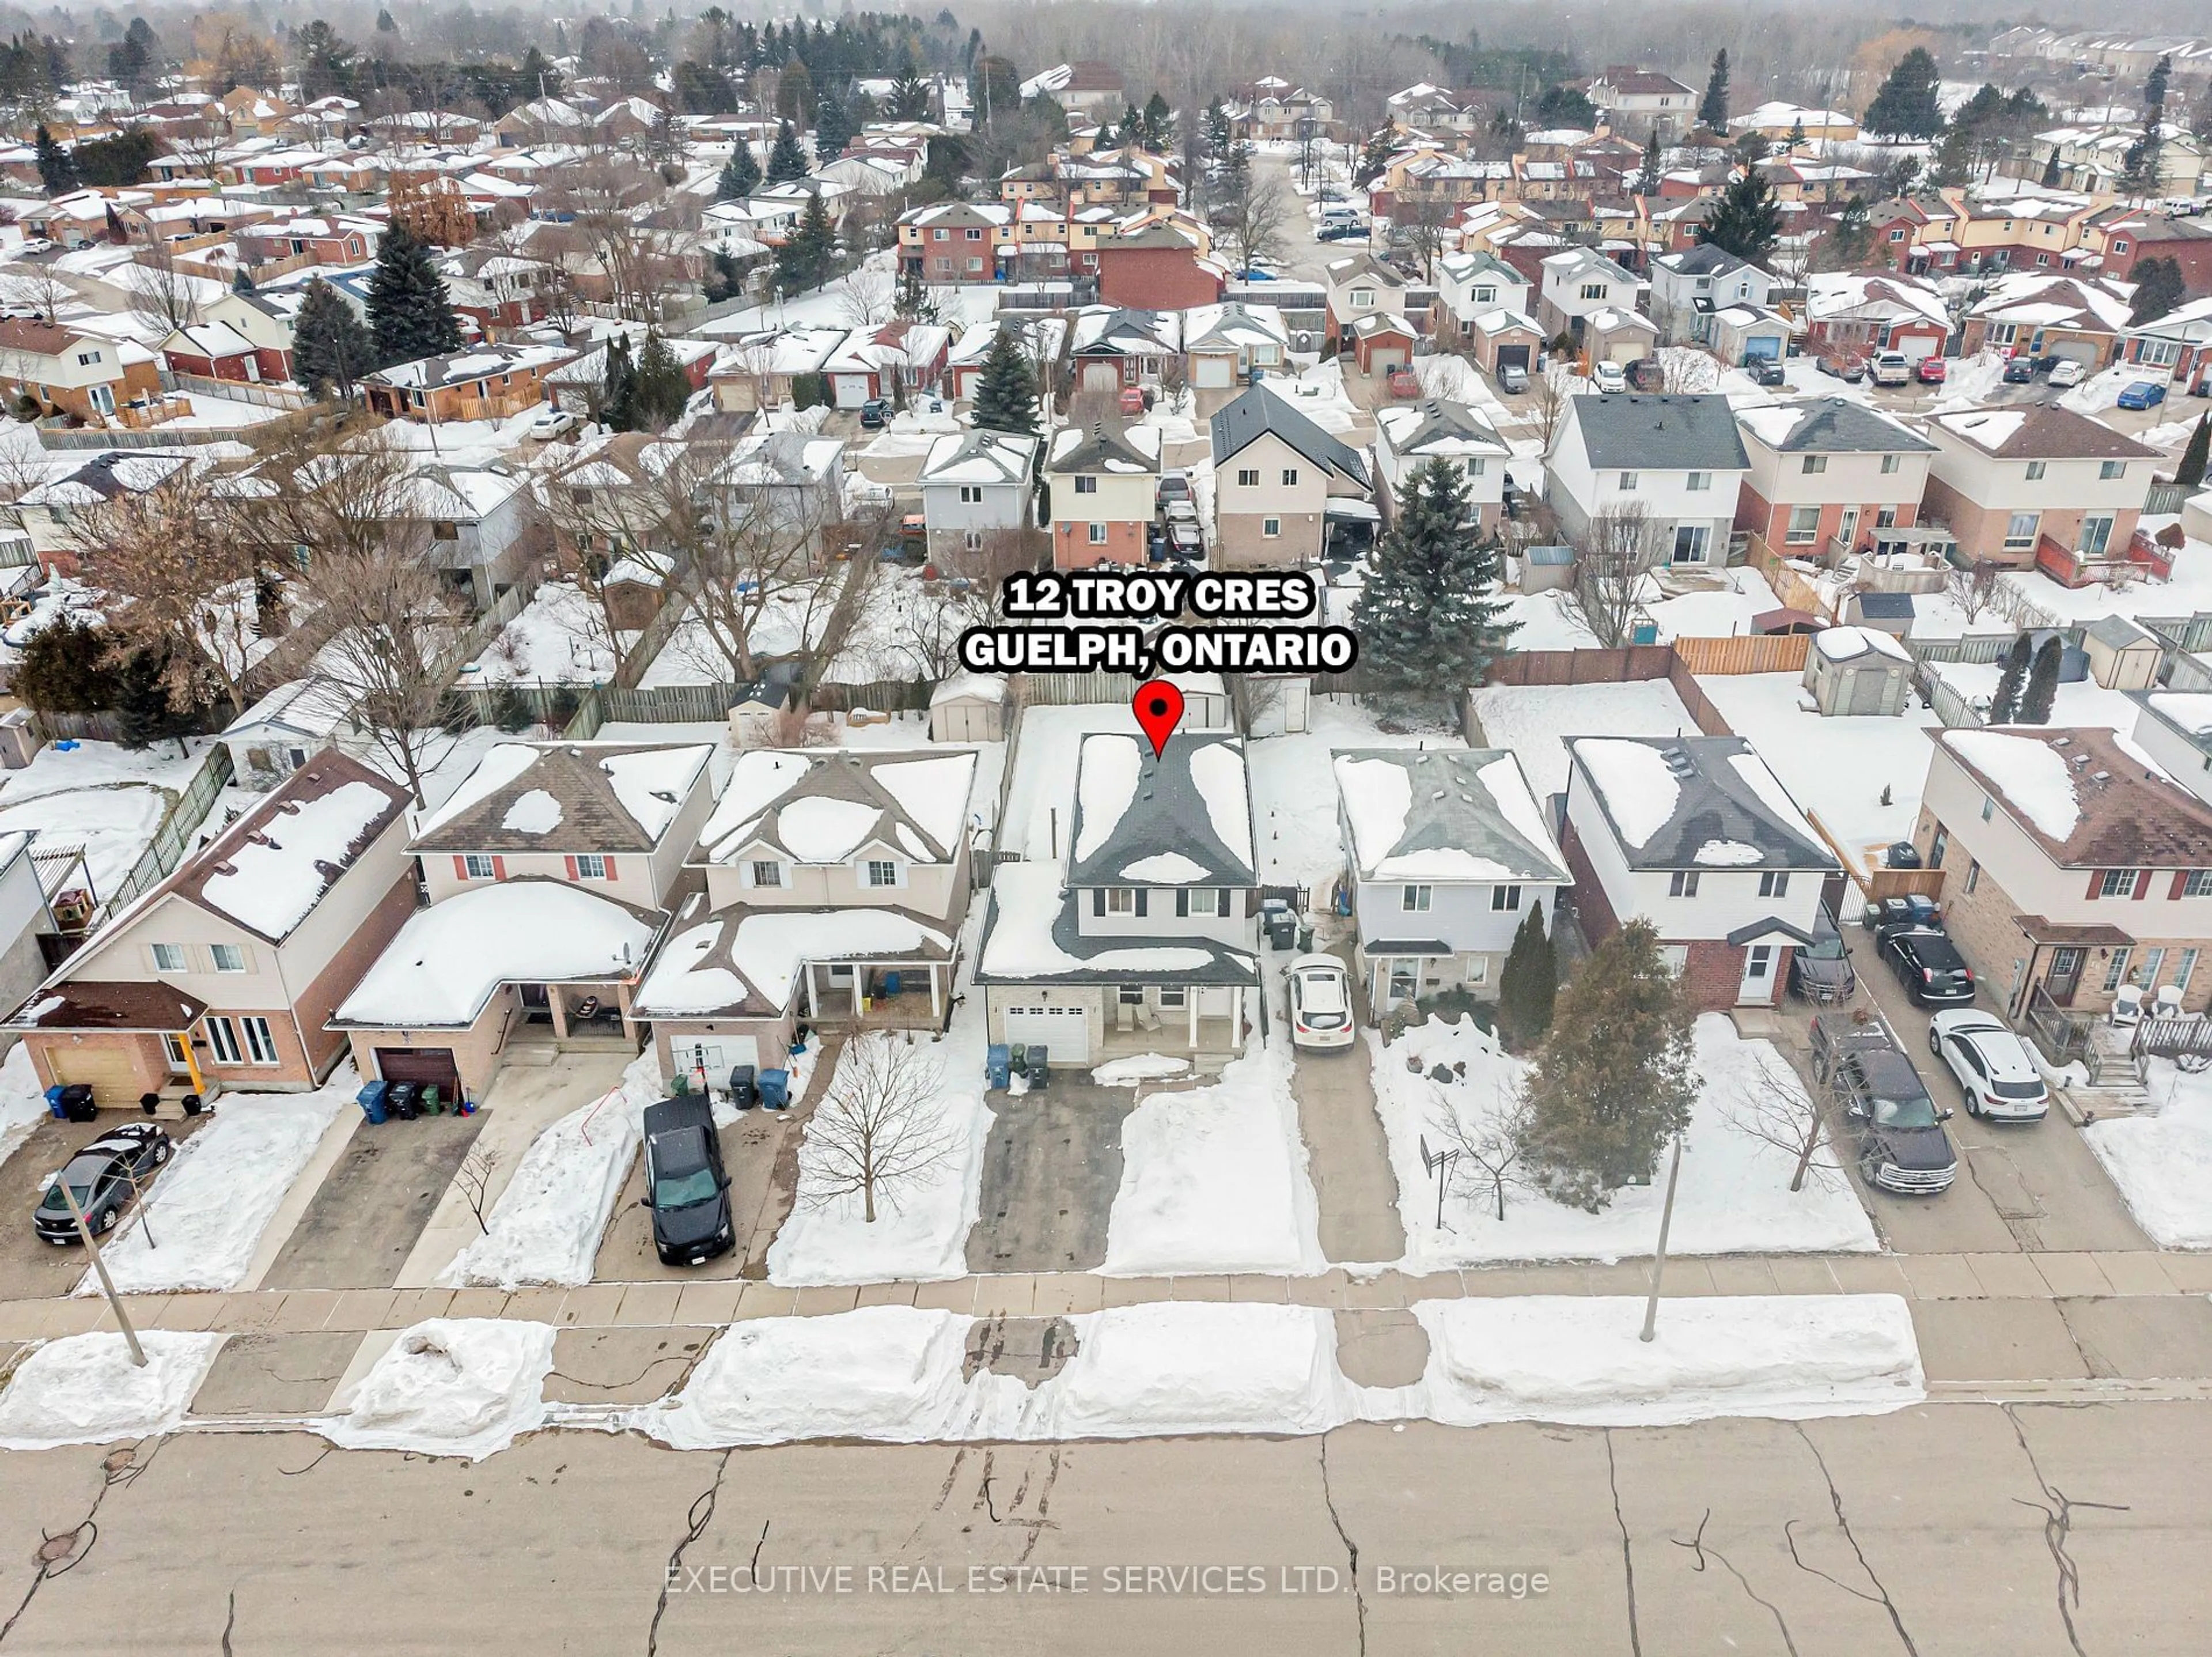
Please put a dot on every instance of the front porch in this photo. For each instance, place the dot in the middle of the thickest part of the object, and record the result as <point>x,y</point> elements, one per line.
<point>580,1018</point>
<point>892,995</point>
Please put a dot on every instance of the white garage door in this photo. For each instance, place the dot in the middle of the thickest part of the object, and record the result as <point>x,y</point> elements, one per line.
<point>850,390</point>
<point>715,1055</point>
<point>1215,372</point>
<point>2083,351</point>
<point>1063,1032</point>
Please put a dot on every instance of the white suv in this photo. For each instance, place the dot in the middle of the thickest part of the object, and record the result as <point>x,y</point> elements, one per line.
<point>1993,1065</point>
<point>1321,1002</point>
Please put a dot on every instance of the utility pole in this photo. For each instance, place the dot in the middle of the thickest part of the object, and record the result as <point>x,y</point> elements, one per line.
<point>106,1283</point>
<point>1659,1260</point>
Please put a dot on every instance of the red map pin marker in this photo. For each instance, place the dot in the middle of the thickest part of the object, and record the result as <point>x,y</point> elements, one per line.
<point>1158,707</point>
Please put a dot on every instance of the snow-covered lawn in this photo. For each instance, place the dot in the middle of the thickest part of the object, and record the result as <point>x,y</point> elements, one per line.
<point>2188,593</point>
<point>2084,702</point>
<point>22,1102</point>
<point>2161,1158</point>
<point>1836,769</point>
<point>207,1212</point>
<point>99,794</point>
<point>451,1387</point>
<point>84,1389</point>
<point>1214,1178</point>
<point>1720,612</point>
<point>559,639</point>
<point>1294,789</point>
<point>1735,1196</point>
<point>546,1225</point>
<point>1535,721</point>
<point>921,1229</point>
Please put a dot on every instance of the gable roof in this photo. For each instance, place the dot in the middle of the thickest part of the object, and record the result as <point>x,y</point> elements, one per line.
<point>1830,425</point>
<point>1444,814</point>
<point>1105,446</point>
<point>1660,432</point>
<point>565,797</point>
<point>823,808</point>
<point>1259,412</point>
<point>1705,259</point>
<point>1436,425</point>
<point>2041,431</point>
<point>1182,819</point>
<point>2086,800</point>
<point>979,456</point>
<point>1696,803</point>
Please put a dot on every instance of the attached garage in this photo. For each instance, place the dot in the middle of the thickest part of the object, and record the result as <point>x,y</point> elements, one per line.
<point>2087,352</point>
<point>1514,356</point>
<point>1101,374</point>
<point>1213,373</point>
<point>110,1070</point>
<point>1063,1032</point>
<point>714,1056</point>
<point>423,1065</point>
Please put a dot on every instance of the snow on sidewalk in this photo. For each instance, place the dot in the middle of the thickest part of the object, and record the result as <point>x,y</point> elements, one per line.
<point>1214,1178</point>
<point>84,1389</point>
<point>203,1220</point>
<point>452,1386</point>
<point>2161,1158</point>
<point>545,1228</point>
<point>22,1102</point>
<point>1735,1196</point>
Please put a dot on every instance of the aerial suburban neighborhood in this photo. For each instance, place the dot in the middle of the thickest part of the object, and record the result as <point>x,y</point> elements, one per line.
<point>565,1014</point>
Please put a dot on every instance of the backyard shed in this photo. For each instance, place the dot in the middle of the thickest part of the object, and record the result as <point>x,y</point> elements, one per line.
<point>1858,670</point>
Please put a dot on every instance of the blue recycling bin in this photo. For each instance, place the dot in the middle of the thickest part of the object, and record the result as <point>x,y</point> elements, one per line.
<point>371,1099</point>
<point>56,1102</point>
<point>890,984</point>
<point>998,1066</point>
<point>775,1090</point>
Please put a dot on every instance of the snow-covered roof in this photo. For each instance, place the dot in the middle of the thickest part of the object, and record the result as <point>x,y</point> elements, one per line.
<point>824,809</point>
<point>729,965</point>
<point>1444,815</point>
<point>1844,643</point>
<point>1670,800</point>
<point>605,797</point>
<point>979,456</point>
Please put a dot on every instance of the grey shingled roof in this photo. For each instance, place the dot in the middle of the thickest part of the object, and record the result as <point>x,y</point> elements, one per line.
<point>1259,411</point>
<point>1168,813</point>
<point>1451,808</point>
<point>1659,433</point>
<point>1713,802</point>
<point>1836,426</point>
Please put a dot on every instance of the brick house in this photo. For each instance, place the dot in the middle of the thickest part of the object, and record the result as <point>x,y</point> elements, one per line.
<point>1826,472</point>
<point>1101,485</point>
<point>2128,235</point>
<point>1695,835</point>
<point>481,382</point>
<point>1276,475</point>
<point>2069,868</point>
<point>225,974</point>
<point>1857,314</point>
<point>2177,346</point>
<point>65,372</point>
<point>1359,288</point>
<point>1162,267</point>
<point>2035,484</point>
<point>2028,313</point>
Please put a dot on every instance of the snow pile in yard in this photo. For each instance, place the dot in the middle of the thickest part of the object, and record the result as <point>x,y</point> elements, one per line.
<point>2161,1159</point>
<point>210,1206</point>
<point>276,879</point>
<point>1639,792</point>
<point>1215,1179</point>
<point>1197,1367</point>
<point>1735,1196</point>
<point>100,795</point>
<point>1535,721</point>
<point>2032,774</point>
<point>1563,1358</point>
<point>22,1101</point>
<point>1143,1067</point>
<point>921,1224</point>
<point>85,1389</point>
<point>451,1387</point>
<point>546,1226</point>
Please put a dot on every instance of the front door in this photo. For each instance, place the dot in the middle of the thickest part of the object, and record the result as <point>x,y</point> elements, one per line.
<point>1847,531</point>
<point>1757,988</point>
<point>2066,975</point>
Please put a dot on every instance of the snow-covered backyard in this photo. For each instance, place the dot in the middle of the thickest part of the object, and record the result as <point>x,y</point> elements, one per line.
<point>102,795</point>
<point>2161,1158</point>
<point>2082,702</point>
<point>1735,1196</point>
<point>560,637</point>
<point>1294,790</point>
<point>1535,721</point>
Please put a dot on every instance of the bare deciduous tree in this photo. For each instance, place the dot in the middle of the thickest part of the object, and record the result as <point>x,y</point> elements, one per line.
<point>880,1128</point>
<point>1252,212</point>
<point>161,295</point>
<point>1772,1104</point>
<point>1683,371</point>
<point>1548,393</point>
<point>1973,589</point>
<point>1612,557</point>
<point>866,302</point>
<point>474,1180</point>
<point>1490,1155</point>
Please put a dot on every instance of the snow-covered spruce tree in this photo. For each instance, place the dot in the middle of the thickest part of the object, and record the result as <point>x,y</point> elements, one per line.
<point>1429,622</point>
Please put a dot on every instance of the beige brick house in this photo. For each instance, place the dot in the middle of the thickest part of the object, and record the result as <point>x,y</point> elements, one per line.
<point>2034,484</point>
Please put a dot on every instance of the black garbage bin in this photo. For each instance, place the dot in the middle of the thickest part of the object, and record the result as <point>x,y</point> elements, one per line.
<point>76,1103</point>
<point>743,1093</point>
<point>1039,1071</point>
<point>405,1100</point>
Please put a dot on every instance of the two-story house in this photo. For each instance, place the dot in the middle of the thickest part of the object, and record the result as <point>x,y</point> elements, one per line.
<point>224,975</point>
<point>2069,868</point>
<point>1855,313</point>
<point>1448,852</point>
<point>1676,463</point>
<point>1409,436</point>
<point>65,372</point>
<point>1276,478</point>
<point>1580,283</point>
<point>1360,289</point>
<point>2036,483</point>
<point>836,888</point>
<point>1643,100</point>
<point>1689,286</point>
<point>976,485</point>
<point>1484,307</point>
<point>1697,836</point>
<point>1827,472</point>
<point>1101,483</point>
<point>1140,933</point>
<point>549,870</point>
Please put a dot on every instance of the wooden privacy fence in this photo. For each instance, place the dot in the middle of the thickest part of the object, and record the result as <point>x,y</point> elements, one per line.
<point>173,838</point>
<point>1745,652</point>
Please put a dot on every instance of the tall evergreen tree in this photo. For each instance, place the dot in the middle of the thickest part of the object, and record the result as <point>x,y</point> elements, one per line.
<point>911,302</point>
<point>786,160</point>
<point>1159,122</point>
<point>1219,136</point>
<point>1746,221</point>
<point>741,174</point>
<point>1851,244</point>
<point>2159,289</point>
<point>1647,175</point>
<point>663,388</point>
<point>808,257</point>
<point>1713,108</point>
<point>1906,105</point>
<point>618,388</point>
<point>331,347</point>
<point>1429,621</point>
<point>56,169</point>
<point>2005,704</point>
<point>1616,1076</point>
<point>409,310</point>
<point>833,126</point>
<point>1005,388</point>
<point>2139,167</point>
<point>1529,985</point>
<point>2042,683</point>
<point>2189,471</point>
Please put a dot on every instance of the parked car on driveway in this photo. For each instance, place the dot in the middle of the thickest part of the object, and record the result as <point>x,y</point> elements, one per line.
<point>1321,1002</point>
<point>1849,369</point>
<point>1821,971</point>
<point>685,1184</point>
<point>1513,379</point>
<point>1929,967</point>
<point>2067,372</point>
<point>2142,395</point>
<point>1993,1065</point>
<point>1891,368</point>
<point>2021,371</point>
<point>1933,371</point>
<point>1901,1144</point>
<point>1767,371</point>
<point>1608,377</point>
<point>105,1177</point>
<point>550,423</point>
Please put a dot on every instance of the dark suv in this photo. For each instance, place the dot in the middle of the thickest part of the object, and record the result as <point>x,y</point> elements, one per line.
<point>104,1177</point>
<point>1928,963</point>
<point>1902,1147</point>
<point>685,1184</point>
<point>1821,971</point>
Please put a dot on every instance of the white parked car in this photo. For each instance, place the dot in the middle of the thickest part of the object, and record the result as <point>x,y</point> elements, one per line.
<point>1993,1065</point>
<point>2066,371</point>
<point>1609,377</point>
<point>1321,1002</point>
<point>552,423</point>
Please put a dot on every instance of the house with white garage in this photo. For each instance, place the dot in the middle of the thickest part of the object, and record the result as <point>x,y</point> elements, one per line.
<point>1675,463</point>
<point>1448,853</point>
<point>835,885</point>
<point>1278,482</point>
<point>1223,344</point>
<point>1139,934</point>
<point>1697,836</point>
<point>549,871</point>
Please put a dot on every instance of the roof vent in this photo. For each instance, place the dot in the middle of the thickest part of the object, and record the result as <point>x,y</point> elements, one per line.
<point>1678,762</point>
<point>2100,776</point>
<point>2081,761</point>
<point>225,869</point>
<point>664,796</point>
<point>2060,741</point>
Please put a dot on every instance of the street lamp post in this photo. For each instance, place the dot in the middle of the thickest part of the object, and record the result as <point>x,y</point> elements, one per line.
<point>1659,1260</point>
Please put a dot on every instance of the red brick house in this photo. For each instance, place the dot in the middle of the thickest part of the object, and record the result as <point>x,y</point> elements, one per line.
<point>1160,268</point>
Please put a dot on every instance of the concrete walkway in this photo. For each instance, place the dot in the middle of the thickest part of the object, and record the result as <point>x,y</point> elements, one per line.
<point>1349,1156</point>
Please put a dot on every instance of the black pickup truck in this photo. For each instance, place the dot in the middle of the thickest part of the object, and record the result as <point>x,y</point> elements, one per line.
<point>1901,1144</point>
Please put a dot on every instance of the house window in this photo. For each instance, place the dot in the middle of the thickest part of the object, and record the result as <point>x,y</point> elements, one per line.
<point>1813,464</point>
<point>1682,883</point>
<point>1289,476</point>
<point>1171,994</point>
<point>1475,467</point>
<point>974,235</point>
<point>2110,469</point>
<point>1628,480</point>
<point>2036,470</point>
<point>1804,524</point>
<point>2198,884</point>
<point>2116,970</point>
<point>1362,299</point>
<point>229,957</point>
<point>1891,462</point>
<point>1973,876</point>
<point>445,532</point>
<point>1593,290</point>
<point>1485,296</point>
<point>260,1045</point>
<point>1405,980</point>
<point>882,872</point>
<point>2096,534</point>
<point>1098,534</point>
<point>1087,485</point>
<point>2120,246</point>
<point>477,866</point>
<point>1699,482</point>
<point>1249,477</point>
<point>1414,899</point>
<point>768,872</point>
<point>1691,542</point>
<point>1774,883</point>
<point>1271,527</point>
<point>223,1040</point>
<point>974,266</point>
<point>1675,957</point>
<point>2186,970</point>
<point>170,958</point>
<point>2117,883</point>
<point>939,235</point>
<point>2020,531</point>
<point>973,540</point>
<point>1477,969</point>
<point>1938,846</point>
<point>971,494</point>
<point>1989,807</point>
<point>1202,900</point>
<point>1885,517</point>
<point>1504,898</point>
<point>590,866</point>
<point>1120,900</point>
